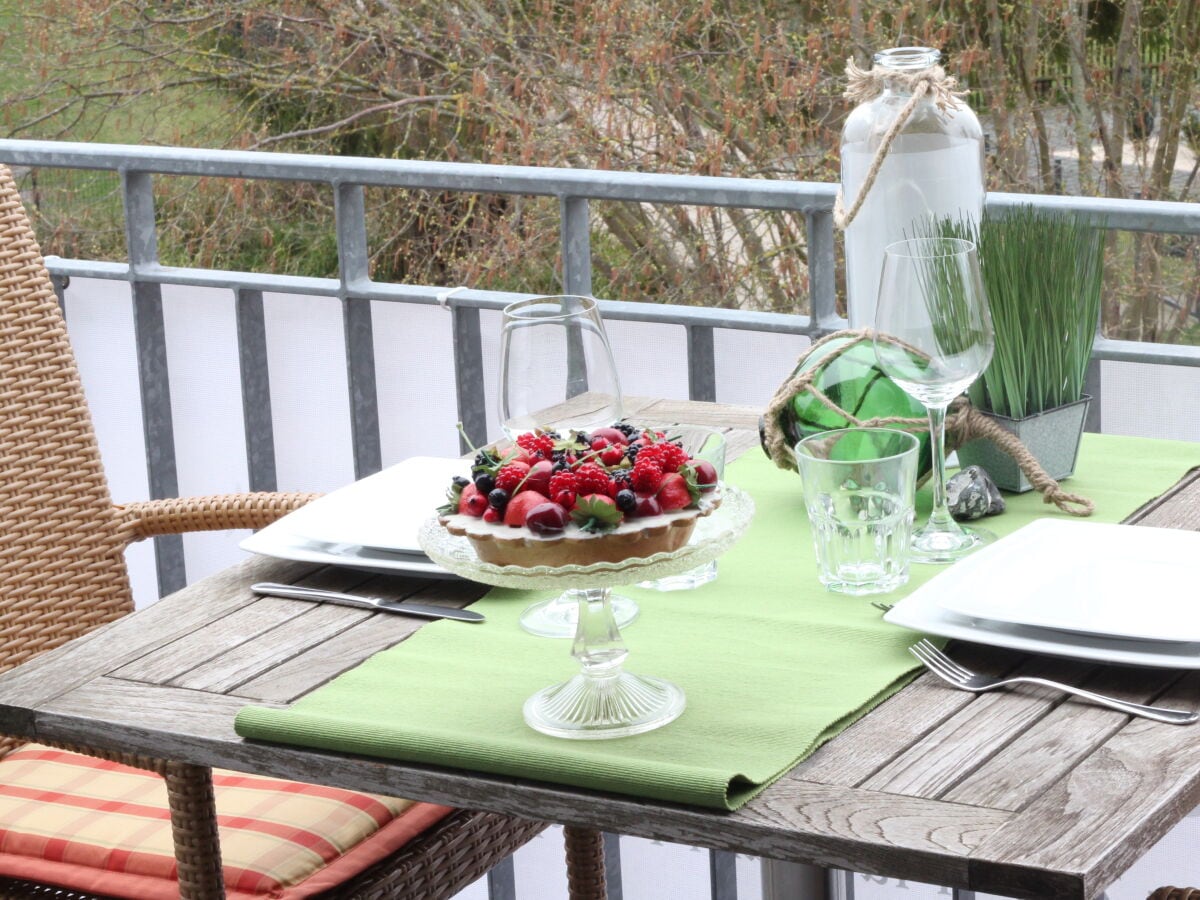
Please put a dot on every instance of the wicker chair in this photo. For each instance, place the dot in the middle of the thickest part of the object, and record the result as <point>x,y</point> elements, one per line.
<point>64,540</point>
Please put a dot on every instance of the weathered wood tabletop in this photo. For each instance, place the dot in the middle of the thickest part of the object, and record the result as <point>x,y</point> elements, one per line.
<point>1014,793</point>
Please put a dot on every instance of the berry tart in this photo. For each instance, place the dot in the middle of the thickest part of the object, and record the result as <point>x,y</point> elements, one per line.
<point>552,500</point>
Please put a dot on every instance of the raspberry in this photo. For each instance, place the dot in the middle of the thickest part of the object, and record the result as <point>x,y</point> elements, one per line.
<point>509,477</point>
<point>646,477</point>
<point>592,479</point>
<point>673,456</point>
<point>539,445</point>
<point>652,453</point>
<point>563,481</point>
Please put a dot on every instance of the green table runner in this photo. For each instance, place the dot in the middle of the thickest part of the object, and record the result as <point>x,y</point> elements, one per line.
<point>772,664</point>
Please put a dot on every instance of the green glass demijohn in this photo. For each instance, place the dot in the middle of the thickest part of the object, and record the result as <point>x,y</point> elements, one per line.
<point>854,382</point>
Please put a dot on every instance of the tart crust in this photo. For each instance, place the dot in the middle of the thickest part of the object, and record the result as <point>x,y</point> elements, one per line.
<point>502,545</point>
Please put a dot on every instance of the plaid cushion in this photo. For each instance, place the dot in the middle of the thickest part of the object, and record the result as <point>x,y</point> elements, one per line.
<point>101,827</point>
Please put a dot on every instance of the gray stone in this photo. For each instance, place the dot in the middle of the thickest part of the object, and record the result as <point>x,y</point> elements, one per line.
<point>971,494</point>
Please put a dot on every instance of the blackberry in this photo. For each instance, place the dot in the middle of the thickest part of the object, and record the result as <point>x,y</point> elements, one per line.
<point>626,500</point>
<point>498,499</point>
<point>626,429</point>
<point>560,465</point>
<point>461,481</point>
<point>484,483</point>
<point>631,452</point>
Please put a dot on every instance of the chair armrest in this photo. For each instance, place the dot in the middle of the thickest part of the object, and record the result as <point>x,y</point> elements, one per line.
<point>218,512</point>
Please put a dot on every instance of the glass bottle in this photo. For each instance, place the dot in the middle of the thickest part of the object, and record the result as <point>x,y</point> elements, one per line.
<point>934,169</point>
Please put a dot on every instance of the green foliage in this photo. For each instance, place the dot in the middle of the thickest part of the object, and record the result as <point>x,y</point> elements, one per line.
<point>1042,274</point>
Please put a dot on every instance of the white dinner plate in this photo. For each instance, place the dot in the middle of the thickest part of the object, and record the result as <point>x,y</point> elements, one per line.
<point>276,541</point>
<point>383,511</point>
<point>371,524</point>
<point>922,613</point>
<point>1115,581</point>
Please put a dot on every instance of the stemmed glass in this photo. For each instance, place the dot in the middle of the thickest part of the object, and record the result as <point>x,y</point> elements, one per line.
<point>556,367</point>
<point>933,337</point>
<point>557,372</point>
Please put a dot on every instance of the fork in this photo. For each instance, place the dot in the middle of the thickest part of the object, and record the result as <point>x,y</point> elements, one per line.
<point>948,670</point>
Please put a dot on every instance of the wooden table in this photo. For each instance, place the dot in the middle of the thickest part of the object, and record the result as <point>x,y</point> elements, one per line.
<point>1014,793</point>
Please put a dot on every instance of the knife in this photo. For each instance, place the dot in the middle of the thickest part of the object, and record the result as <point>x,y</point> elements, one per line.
<point>294,592</point>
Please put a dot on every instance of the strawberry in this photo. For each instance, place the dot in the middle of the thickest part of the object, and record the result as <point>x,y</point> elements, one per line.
<point>596,513</point>
<point>472,502</point>
<point>673,493</point>
<point>520,505</point>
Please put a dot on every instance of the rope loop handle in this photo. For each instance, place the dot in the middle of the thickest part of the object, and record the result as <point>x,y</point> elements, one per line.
<point>867,84</point>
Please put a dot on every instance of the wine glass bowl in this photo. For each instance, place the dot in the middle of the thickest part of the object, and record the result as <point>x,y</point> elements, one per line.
<point>556,367</point>
<point>933,338</point>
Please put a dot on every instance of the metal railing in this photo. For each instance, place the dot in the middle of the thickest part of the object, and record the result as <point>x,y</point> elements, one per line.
<point>575,189</point>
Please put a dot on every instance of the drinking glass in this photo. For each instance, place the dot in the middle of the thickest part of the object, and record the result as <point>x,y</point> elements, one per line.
<point>933,337</point>
<point>858,490</point>
<point>557,372</point>
<point>556,367</point>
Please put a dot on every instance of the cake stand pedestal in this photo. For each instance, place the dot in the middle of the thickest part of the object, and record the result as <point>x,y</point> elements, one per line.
<point>603,700</point>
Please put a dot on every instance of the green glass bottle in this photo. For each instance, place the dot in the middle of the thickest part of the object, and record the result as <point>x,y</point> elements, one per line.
<point>854,382</point>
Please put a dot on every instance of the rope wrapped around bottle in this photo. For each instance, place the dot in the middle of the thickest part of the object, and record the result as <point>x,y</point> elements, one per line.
<point>867,84</point>
<point>963,423</point>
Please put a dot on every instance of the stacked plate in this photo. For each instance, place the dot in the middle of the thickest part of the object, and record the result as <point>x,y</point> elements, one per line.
<point>1110,593</point>
<point>371,524</point>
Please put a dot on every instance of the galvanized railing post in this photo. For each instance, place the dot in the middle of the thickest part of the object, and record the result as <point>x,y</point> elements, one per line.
<point>468,376</point>
<point>702,363</point>
<point>153,381</point>
<point>576,241</point>
<point>258,424</point>
<point>822,272</point>
<point>350,212</point>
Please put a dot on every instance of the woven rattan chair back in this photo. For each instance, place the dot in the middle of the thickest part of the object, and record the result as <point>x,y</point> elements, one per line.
<point>62,569</point>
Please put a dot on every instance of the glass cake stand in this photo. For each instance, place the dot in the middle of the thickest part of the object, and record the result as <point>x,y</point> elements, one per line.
<point>603,700</point>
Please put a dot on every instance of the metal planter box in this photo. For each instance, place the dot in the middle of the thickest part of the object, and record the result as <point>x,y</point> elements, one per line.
<point>1051,436</point>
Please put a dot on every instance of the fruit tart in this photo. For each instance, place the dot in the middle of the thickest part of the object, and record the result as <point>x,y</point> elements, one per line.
<point>554,500</point>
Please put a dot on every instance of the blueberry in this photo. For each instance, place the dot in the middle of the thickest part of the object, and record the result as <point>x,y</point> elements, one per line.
<point>626,501</point>
<point>498,499</point>
<point>484,483</point>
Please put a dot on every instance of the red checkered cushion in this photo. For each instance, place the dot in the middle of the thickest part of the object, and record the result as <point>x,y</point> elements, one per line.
<point>101,827</point>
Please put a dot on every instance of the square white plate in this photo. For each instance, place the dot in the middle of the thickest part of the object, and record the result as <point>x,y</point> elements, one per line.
<point>921,611</point>
<point>1115,581</point>
<point>383,511</point>
<point>276,541</point>
<point>371,524</point>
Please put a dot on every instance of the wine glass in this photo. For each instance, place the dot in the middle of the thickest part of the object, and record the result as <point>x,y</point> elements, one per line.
<point>557,373</point>
<point>556,367</point>
<point>933,337</point>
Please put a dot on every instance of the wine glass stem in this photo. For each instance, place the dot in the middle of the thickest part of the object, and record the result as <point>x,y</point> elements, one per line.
<point>598,645</point>
<point>939,517</point>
